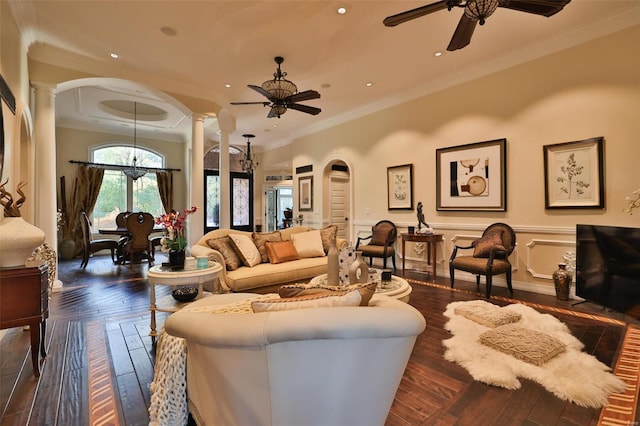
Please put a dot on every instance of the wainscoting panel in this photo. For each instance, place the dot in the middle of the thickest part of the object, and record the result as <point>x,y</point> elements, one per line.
<point>543,256</point>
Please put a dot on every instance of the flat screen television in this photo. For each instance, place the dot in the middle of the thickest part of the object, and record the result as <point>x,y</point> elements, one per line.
<point>608,267</point>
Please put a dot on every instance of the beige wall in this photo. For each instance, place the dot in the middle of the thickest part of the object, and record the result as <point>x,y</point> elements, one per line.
<point>74,144</point>
<point>587,91</point>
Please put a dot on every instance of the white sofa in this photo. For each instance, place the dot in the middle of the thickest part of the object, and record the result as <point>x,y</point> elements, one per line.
<point>265,277</point>
<point>320,366</point>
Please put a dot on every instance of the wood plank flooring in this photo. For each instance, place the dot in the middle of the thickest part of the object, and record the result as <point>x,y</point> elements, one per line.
<point>100,358</point>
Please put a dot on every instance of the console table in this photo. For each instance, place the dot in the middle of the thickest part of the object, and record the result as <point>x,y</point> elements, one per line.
<point>430,240</point>
<point>24,293</point>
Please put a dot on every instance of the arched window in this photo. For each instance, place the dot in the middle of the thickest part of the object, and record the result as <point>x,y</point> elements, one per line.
<point>120,193</point>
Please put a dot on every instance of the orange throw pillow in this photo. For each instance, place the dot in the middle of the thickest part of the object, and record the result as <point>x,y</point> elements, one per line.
<point>281,251</point>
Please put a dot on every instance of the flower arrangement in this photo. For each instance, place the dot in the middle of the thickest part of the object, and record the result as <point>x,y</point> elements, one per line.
<point>174,225</point>
<point>633,200</point>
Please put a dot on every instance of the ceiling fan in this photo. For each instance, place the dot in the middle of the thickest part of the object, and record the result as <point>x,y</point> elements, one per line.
<point>282,94</point>
<point>476,11</point>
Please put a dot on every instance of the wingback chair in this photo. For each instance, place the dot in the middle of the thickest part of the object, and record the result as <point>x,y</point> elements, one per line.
<point>139,226</point>
<point>90,246</point>
<point>490,256</point>
<point>383,236</point>
<point>338,366</point>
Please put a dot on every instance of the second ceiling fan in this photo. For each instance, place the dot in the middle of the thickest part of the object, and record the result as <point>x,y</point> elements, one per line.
<point>282,94</point>
<point>476,11</point>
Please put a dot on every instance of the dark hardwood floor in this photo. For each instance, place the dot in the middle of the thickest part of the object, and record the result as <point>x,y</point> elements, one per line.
<point>99,351</point>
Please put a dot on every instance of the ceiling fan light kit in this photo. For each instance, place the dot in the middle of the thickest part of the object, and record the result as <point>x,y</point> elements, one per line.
<point>282,94</point>
<point>476,11</point>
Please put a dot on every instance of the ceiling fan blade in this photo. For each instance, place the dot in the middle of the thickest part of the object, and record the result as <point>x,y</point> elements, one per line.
<point>305,108</point>
<point>462,35</point>
<point>264,103</point>
<point>261,91</point>
<point>392,21</point>
<point>539,7</point>
<point>273,113</point>
<point>303,96</point>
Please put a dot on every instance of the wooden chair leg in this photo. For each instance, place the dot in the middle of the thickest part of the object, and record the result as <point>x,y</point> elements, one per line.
<point>489,286</point>
<point>509,282</point>
<point>451,274</point>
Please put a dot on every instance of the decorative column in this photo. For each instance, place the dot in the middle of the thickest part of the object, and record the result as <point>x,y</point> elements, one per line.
<point>45,163</point>
<point>195,179</point>
<point>225,181</point>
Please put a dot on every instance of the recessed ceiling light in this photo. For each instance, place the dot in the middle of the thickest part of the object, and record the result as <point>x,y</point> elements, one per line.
<point>275,125</point>
<point>342,10</point>
<point>368,84</point>
<point>114,55</point>
<point>437,54</point>
<point>227,85</point>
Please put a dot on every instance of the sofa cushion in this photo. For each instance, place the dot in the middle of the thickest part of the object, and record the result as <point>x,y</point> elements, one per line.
<point>308,244</point>
<point>281,251</point>
<point>246,249</point>
<point>351,298</point>
<point>366,290</point>
<point>228,252</point>
<point>482,247</point>
<point>267,274</point>
<point>260,238</point>
<point>328,234</point>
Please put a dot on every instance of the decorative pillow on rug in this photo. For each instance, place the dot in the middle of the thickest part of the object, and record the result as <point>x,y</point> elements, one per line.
<point>482,246</point>
<point>228,252</point>
<point>260,238</point>
<point>281,251</point>
<point>351,298</point>
<point>366,290</point>
<point>526,345</point>
<point>308,244</point>
<point>486,313</point>
<point>246,249</point>
<point>328,234</point>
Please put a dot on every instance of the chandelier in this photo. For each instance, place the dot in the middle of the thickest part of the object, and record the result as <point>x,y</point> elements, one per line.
<point>248,162</point>
<point>134,172</point>
<point>479,10</point>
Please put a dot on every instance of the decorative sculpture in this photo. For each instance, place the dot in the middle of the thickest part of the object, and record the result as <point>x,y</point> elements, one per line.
<point>427,229</point>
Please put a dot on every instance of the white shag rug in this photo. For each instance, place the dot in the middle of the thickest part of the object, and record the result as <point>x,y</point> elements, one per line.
<point>572,375</point>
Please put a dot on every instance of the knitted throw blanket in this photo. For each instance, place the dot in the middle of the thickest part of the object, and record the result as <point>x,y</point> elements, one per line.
<point>169,387</point>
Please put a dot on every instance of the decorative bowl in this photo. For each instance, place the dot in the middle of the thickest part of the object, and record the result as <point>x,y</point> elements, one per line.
<point>185,294</point>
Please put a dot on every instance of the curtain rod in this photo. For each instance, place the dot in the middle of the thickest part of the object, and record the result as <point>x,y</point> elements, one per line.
<point>88,163</point>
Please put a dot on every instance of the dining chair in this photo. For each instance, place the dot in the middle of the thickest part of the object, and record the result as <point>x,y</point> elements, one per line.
<point>139,226</point>
<point>383,236</point>
<point>490,256</point>
<point>90,246</point>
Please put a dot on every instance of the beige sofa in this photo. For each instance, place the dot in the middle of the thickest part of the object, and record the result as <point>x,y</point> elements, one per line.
<point>338,366</point>
<point>265,277</point>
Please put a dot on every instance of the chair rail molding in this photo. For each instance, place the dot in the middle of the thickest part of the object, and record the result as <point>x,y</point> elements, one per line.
<point>531,253</point>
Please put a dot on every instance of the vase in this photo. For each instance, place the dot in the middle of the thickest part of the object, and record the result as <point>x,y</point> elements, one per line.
<point>333,264</point>
<point>176,259</point>
<point>67,249</point>
<point>358,271</point>
<point>18,239</point>
<point>562,281</point>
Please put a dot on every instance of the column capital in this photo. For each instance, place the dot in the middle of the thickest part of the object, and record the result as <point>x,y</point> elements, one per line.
<point>44,87</point>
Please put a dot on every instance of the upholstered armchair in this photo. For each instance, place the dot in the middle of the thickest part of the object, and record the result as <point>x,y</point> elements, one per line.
<point>90,246</point>
<point>490,256</point>
<point>338,366</point>
<point>383,236</point>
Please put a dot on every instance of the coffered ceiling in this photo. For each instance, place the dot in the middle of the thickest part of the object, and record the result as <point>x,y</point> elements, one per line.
<point>196,48</point>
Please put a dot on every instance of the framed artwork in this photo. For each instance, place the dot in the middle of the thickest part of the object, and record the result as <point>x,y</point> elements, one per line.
<point>472,177</point>
<point>574,174</point>
<point>400,187</point>
<point>305,193</point>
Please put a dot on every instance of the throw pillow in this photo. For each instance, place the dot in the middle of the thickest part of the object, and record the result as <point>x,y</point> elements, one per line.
<point>482,246</point>
<point>379,236</point>
<point>281,251</point>
<point>308,244</point>
<point>223,245</point>
<point>327,235</point>
<point>351,298</point>
<point>526,345</point>
<point>486,313</point>
<point>246,249</point>
<point>366,290</point>
<point>259,239</point>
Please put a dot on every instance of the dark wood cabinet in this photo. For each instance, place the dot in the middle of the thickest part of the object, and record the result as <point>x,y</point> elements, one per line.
<point>24,300</point>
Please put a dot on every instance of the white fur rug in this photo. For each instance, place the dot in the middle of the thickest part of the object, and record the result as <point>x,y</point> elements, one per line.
<point>572,375</point>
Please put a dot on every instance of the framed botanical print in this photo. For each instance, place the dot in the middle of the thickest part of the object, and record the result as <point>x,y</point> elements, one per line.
<point>574,175</point>
<point>305,193</point>
<point>472,177</point>
<point>400,187</point>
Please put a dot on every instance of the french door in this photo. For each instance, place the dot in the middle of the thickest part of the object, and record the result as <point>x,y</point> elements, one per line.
<point>241,205</point>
